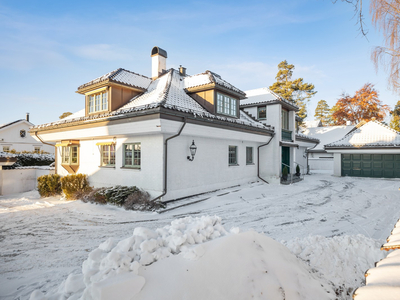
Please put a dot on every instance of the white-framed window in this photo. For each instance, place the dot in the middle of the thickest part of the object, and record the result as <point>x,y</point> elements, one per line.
<point>107,155</point>
<point>285,119</point>
<point>132,155</point>
<point>22,133</point>
<point>226,105</point>
<point>249,156</point>
<point>70,155</point>
<point>6,148</point>
<point>262,113</point>
<point>232,159</point>
<point>98,102</point>
<point>36,149</point>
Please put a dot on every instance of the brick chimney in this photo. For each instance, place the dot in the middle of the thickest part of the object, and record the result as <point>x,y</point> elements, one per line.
<point>158,62</point>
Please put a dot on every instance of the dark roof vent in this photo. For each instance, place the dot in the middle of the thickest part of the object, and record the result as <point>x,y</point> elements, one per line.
<point>157,50</point>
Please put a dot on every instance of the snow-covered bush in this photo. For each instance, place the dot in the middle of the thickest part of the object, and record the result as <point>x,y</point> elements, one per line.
<point>130,197</point>
<point>73,184</point>
<point>49,185</point>
<point>32,159</point>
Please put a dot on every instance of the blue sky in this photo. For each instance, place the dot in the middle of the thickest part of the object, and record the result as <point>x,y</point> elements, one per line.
<point>49,48</point>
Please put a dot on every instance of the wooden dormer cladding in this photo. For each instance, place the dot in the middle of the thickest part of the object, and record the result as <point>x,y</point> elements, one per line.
<point>116,94</point>
<point>207,97</point>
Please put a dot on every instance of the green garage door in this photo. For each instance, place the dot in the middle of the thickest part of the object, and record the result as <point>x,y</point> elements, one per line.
<point>371,165</point>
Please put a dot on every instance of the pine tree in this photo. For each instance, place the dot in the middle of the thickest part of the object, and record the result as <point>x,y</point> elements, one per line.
<point>395,120</point>
<point>363,106</point>
<point>322,112</point>
<point>295,90</point>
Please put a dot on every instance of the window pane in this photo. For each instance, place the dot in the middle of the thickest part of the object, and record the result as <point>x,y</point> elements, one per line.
<point>74,155</point>
<point>226,104</point>
<point>262,113</point>
<point>65,155</point>
<point>91,104</point>
<point>249,155</point>
<point>128,154</point>
<point>104,101</point>
<point>232,155</point>
<point>97,104</point>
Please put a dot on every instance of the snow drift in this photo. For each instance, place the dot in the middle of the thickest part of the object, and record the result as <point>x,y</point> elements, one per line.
<point>193,258</point>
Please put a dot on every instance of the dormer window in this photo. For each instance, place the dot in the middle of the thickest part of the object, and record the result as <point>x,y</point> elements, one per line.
<point>226,105</point>
<point>98,102</point>
<point>262,113</point>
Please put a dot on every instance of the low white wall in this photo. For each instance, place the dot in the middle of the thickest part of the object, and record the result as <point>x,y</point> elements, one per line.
<point>21,179</point>
<point>321,163</point>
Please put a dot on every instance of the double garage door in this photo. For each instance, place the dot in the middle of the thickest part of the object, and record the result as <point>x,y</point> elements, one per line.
<point>371,165</point>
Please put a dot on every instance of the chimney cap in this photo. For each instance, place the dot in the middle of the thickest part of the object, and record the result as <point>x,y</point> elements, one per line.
<point>158,51</point>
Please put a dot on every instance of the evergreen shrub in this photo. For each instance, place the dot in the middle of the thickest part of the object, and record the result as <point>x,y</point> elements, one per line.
<point>285,172</point>
<point>297,170</point>
<point>73,185</point>
<point>49,185</point>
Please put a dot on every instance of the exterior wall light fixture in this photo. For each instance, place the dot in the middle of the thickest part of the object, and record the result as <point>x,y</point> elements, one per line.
<point>192,149</point>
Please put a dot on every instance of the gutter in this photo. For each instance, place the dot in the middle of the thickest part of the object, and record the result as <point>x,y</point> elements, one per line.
<point>258,157</point>
<point>166,159</point>
<point>55,151</point>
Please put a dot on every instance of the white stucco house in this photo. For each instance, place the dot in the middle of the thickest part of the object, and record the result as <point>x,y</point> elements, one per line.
<point>370,149</point>
<point>174,135</point>
<point>15,136</point>
<point>318,157</point>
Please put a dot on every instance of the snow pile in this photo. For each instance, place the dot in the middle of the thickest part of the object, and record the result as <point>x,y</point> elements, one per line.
<point>193,258</point>
<point>145,246</point>
<point>342,260</point>
<point>7,154</point>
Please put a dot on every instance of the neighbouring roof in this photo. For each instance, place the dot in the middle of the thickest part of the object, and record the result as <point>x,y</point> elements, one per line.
<point>370,135</point>
<point>209,77</point>
<point>327,134</point>
<point>312,123</point>
<point>14,122</point>
<point>301,136</point>
<point>264,96</point>
<point>121,76</point>
<point>167,91</point>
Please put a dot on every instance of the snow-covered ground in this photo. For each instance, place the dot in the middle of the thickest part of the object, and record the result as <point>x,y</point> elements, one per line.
<point>335,225</point>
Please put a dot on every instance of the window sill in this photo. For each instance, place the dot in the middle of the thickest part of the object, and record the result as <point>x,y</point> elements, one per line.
<point>250,164</point>
<point>236,165</point>
<point>107,167</point>
<point>131,168</point>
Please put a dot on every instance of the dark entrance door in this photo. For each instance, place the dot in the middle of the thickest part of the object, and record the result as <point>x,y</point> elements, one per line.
<point>286,157</point>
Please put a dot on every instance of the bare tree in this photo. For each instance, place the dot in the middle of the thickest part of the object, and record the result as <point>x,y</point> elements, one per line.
<point>385,15</point>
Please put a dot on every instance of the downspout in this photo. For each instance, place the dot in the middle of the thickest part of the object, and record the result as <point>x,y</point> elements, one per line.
<point>166,159</point>
<point>55,151</point>
<point>258,157</point>
<point>308,167</point>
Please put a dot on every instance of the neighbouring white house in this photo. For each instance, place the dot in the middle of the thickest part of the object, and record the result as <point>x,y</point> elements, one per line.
<point>370,149</point>
<point>15,136</point>
<point>318,157</point>
<point>174,135</point>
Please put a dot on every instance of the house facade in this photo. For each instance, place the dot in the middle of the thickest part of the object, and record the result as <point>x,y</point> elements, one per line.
<point>370,149</point>
<point>318,157</point>
<point>172,135</point>
<point>15,136</point>
<point>289,147</point>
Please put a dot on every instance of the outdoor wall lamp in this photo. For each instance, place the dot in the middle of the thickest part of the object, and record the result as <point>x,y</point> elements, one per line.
<point>192,149</point>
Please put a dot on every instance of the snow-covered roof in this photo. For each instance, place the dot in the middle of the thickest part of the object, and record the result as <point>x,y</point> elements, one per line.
<point>167,91</point>
<point>371,134</point>
<point>14,122</point>
<point>306,137</point>
<point>327,134</point>
<point>263,96</point>
<point>209,77</point>
<point>121,76</point>
<point>312,123</point>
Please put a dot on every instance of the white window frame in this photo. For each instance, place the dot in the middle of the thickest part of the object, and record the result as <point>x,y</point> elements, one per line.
<point>98,102</point>
<point>285,119</point>
<point>135,160</point>
<point>226,105</point>
<point>107,155</point>
<point>6,148</point>
<point>67,153</point>
<point>36,149</point>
